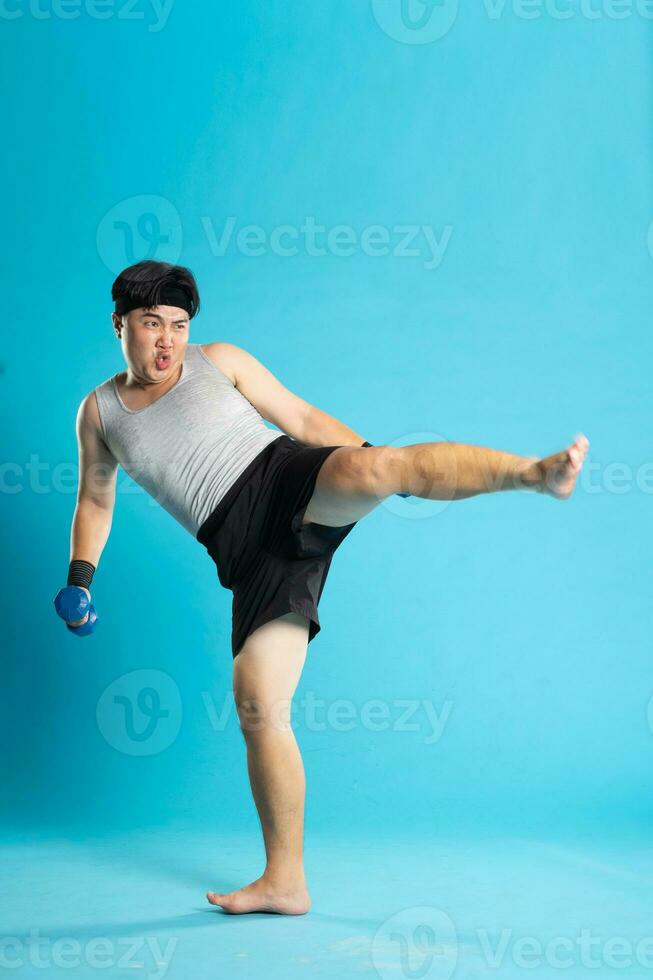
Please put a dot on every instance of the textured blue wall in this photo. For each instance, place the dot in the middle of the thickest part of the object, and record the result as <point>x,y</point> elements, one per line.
<point>447,239</point>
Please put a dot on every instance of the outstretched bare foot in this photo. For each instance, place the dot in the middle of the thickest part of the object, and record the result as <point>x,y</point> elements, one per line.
<point>559,472</point>
<point>264,895</point>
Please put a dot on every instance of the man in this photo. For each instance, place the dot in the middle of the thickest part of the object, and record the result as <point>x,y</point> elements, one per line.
<point>186,421</point>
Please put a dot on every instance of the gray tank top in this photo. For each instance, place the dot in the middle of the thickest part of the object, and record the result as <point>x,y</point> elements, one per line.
<point>188,447</point>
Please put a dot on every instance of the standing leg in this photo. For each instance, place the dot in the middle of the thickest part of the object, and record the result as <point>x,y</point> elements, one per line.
<point>265,676</point>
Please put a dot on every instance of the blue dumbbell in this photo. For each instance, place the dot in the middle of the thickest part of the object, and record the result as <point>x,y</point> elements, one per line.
<point>71,604</point>
<point>84,629</point>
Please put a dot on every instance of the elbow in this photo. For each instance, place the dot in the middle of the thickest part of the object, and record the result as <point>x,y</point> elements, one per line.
<point>98,504</point>
<point>307,416</point>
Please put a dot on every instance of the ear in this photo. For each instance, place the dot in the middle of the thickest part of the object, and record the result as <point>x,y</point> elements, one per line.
<point>117,324</point>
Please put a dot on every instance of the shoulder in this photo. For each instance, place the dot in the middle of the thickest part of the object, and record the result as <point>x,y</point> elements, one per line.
<point>88,413</point>
<point>89,424</point>
<point>225,356</point>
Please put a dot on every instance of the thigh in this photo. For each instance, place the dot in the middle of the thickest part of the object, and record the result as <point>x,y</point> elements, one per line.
<point>351,483</point>
<point>268,667</point>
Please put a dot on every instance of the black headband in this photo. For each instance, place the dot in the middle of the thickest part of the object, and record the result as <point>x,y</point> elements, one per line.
<point>169,296</point>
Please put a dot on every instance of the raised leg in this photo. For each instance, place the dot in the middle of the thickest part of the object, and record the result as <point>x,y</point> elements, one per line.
<point>352,481</point>
<point>266,672</point>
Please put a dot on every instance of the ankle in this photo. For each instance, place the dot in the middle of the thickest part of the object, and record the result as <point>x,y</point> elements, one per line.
<point>529,475</point>
<point>286,875</point>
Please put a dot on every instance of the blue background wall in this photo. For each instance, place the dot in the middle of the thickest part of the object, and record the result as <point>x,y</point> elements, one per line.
<point>523,146</point>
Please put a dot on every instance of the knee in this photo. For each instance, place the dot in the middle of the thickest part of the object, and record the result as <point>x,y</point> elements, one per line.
<point>260,717</point>
<point>371,470</point>
<point>384,469</point>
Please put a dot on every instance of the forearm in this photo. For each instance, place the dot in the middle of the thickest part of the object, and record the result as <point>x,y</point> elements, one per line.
<point>90,530</point>
<point>320,429</point>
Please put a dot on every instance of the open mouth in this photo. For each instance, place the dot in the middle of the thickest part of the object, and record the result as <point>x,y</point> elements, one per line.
<point>162,361</point>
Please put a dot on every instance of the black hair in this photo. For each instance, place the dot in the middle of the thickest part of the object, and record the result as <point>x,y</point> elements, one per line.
<point>145,281</point>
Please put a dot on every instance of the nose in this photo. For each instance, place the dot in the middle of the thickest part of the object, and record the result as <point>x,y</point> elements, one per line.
<point>164,341</point>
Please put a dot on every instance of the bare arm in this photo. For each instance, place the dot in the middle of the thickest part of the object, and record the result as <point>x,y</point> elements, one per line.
<point>96,491</point>
<point>293,415</point>
<point>325,430</point>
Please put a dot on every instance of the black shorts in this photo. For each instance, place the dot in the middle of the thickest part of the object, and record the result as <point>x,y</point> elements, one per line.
<point>271,562</point>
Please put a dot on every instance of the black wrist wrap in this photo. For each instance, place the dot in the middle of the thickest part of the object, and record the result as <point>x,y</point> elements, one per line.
<point>80,573</point>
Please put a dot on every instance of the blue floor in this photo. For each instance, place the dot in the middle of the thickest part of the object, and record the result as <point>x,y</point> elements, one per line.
<point>135,905</point>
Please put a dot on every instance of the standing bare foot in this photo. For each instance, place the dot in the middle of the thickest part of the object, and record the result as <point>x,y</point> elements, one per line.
<point>265,895</point>
<point>559,472</point>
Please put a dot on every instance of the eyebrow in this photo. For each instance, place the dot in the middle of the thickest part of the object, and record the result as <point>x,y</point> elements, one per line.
<point>181,319</point>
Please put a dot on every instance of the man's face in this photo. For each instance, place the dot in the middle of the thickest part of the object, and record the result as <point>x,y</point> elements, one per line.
<point>153,341</point>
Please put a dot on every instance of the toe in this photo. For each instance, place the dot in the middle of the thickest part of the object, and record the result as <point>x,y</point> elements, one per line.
<point>582,442</point>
